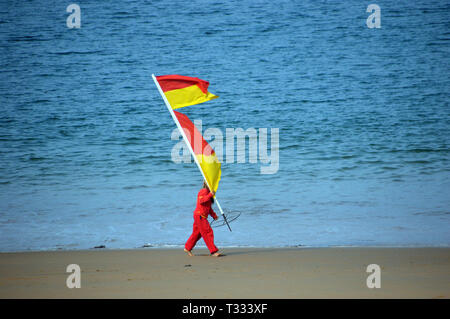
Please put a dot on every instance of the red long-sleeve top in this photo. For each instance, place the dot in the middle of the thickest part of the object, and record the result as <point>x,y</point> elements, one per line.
<point>204,204</point>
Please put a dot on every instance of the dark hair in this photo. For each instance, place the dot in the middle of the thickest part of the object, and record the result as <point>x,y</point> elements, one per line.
<point>205,185</point>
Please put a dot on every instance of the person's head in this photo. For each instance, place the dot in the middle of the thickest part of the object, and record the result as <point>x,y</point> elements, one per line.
<point>205,185</point>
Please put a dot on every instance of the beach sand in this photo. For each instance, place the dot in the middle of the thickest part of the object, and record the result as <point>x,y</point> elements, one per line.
<point>242,273</point>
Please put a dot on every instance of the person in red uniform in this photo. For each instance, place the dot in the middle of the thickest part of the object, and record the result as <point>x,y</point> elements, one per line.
<point>202,228</point>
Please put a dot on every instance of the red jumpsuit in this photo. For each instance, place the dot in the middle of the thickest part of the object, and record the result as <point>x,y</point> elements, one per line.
<point>201,225</point>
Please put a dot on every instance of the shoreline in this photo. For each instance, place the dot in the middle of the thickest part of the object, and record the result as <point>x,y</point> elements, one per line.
<point>202,247</point>
<point>245,272</point>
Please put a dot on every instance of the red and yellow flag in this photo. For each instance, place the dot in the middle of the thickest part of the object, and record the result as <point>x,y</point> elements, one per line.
<point>203,151</point>
<point>183,90</point>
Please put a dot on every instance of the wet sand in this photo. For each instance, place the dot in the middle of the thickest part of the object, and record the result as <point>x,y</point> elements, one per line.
<point>242,273</point>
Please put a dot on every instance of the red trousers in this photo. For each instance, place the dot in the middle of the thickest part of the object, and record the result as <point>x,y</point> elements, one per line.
<point>201,229</point>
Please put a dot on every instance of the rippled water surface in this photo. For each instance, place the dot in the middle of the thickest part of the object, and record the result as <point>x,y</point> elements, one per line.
<point>363,119</point>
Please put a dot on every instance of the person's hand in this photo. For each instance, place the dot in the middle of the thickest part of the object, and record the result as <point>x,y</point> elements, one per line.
<point>216,218</point>
<point>213,192</point>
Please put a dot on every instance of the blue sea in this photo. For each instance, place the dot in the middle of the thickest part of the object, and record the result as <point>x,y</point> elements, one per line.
<point>363,117</point>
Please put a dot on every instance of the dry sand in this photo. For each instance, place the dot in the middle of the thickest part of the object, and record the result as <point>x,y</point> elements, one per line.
<point>242,273</point>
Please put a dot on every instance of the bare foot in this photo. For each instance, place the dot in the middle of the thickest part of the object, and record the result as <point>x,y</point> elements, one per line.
<point>217,254</point>
<point>189,252</point>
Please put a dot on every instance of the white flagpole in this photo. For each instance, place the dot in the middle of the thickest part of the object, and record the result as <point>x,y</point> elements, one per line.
<point>174,117</point>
